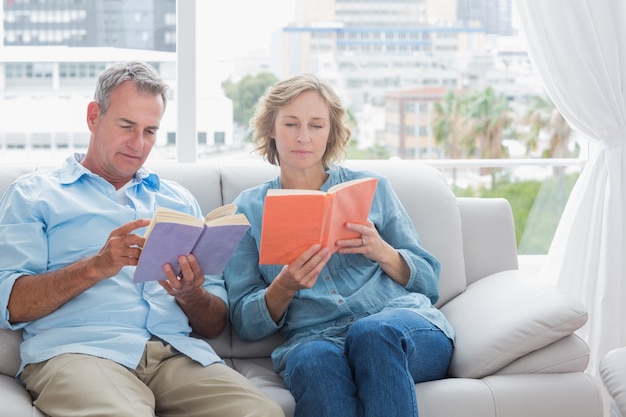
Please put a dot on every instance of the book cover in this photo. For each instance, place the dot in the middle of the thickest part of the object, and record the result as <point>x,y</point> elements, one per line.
<point>172,233</point>
<point>293,219</point>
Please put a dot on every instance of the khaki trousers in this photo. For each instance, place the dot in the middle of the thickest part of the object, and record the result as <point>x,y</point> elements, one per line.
<point>165,381</point>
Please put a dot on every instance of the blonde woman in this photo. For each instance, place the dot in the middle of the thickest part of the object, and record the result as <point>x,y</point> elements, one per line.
<point>360,324</point>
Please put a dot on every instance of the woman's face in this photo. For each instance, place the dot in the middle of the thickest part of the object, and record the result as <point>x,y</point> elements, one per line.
<point>301,131</point>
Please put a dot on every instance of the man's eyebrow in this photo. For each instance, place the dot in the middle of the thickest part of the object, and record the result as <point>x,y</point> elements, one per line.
<point>130,122</point>
<point>127,121</point>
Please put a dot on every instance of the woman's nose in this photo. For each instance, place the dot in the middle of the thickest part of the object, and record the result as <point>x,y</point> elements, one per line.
<point>303,135</point>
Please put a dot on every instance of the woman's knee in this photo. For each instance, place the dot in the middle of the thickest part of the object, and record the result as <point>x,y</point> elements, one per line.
<point>312,360</point>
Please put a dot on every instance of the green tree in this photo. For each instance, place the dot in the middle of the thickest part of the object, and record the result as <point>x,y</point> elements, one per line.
<point>542,117</point>
<point>449,125</point>
<point>536,212</point>
<point>472,126</point>
<point>488,114</point>
<point>246,93</point>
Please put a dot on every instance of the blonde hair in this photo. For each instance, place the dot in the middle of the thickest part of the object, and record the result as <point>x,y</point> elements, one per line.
<point>281,95</point>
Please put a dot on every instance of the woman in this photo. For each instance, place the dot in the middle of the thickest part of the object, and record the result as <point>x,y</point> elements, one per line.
<point>360,324</point>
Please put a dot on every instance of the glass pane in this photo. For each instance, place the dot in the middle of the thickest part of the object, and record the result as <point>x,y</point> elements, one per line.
<point>421,80</point>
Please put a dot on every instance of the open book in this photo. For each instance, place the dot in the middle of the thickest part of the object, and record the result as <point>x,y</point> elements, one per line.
<point>294,219</point>
<point>173,233</point>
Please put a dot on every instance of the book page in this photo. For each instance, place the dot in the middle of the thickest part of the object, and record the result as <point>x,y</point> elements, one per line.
<point>350,183</point>
<point>237,218</point>
<point>291,191</point>
<point>221,211</point>
<point>166,215</point>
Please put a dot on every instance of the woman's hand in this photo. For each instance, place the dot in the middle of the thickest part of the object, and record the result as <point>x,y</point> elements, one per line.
<point>368,244</point>
<point>298,275</point>
<point>374,247</point>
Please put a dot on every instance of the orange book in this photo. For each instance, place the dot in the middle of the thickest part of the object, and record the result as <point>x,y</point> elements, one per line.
<point>295,219</point>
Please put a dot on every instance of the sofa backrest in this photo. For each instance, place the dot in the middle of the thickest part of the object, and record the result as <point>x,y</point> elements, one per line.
<point>422,189</point>
<point>432,206</point>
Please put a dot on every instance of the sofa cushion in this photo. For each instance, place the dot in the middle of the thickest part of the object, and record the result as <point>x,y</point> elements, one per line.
<point>521,316</point>
<point>10,351</point>
<point>568,354</point>
<point>613,375</point>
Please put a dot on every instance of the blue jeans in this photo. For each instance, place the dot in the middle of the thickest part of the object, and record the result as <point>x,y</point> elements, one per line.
<point>374,375</point>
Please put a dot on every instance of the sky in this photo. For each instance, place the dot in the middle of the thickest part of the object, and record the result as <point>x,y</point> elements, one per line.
<point>231,28</point>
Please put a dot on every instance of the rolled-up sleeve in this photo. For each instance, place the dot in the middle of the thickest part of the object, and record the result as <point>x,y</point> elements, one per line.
<point>23,246</point>
<point>398,230</point>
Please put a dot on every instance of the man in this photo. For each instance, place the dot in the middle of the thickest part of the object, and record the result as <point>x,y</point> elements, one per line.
<point>95,343</point>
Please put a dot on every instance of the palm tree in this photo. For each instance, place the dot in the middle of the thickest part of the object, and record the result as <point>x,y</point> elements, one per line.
<point>542,117</point>
<point>449,125</point>
<point>489,115</point>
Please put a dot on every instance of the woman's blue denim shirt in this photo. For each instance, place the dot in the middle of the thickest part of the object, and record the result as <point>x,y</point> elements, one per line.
<point>348,288</point>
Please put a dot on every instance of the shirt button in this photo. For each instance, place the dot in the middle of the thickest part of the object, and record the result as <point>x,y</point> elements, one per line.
<point>340,301</point>
<point>351,319</point>
<point>333,292</point>
<point>326,278</point>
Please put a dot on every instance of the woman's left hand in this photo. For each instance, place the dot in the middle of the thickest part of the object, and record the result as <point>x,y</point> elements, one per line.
<point>372,246</point>
<point>369,243</point>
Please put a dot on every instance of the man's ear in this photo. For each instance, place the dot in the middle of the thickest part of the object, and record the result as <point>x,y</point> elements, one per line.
<point>93,115</point>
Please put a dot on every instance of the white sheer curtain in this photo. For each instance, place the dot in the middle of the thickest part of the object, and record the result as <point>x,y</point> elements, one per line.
<point>579,50</point>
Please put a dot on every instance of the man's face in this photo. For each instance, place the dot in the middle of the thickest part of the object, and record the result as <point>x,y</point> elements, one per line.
<point>123,137</point>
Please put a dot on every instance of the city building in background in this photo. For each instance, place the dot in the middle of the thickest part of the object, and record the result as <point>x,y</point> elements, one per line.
<point>376,51</point>
<point>54,50</point>
<point>137,24</point>
<point>408,118</point>
<point>496,16</point>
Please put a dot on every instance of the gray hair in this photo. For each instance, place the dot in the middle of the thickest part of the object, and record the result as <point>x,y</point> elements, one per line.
<point>146,79</point>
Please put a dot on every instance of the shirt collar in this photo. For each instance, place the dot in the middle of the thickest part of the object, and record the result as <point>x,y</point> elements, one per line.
<point>72,170</point>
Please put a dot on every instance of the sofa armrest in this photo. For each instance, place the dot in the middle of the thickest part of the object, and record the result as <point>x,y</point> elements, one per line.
<point>489,243</point>
<point>503,317</point>
<point>613,375</point>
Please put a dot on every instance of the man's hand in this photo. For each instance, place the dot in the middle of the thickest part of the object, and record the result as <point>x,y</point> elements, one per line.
<point>35,296</point>
<point>206,312</point>
<point>188,283</point>
<point>121,249</point>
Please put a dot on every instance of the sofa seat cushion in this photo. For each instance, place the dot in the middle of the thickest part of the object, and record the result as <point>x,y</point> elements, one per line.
<point>504,317</point>
<point>15,399</point>
<point>10,351</point>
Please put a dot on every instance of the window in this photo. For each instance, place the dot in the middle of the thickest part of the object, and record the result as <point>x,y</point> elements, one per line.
<point>372,52</point>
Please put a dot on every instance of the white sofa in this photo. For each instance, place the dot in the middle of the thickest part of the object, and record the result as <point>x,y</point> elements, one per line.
<point>516,353</point>
<point>613,376</point>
